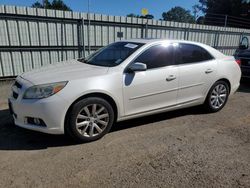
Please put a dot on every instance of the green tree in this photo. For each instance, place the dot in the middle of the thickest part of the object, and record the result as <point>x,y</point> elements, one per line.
<point>200,20</point>
<point>133,15</point>
<point>178,14</point>
<point>224,12</point>
<point>227,7</point>
<point>55,4</point>
<point>37,5</point>
<point>148,16</point>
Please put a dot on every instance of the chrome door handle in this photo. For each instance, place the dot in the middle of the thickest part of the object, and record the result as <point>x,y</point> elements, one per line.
<point>170,78</point>
<point>208,71</point>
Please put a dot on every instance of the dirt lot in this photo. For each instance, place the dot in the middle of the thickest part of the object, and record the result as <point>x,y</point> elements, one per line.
<point>185,148</point>
<point>4,92</point>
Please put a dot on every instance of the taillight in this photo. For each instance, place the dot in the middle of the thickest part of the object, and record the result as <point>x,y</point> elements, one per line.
<point>238,61</point>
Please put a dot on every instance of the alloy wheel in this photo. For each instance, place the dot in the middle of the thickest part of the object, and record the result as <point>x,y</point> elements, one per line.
<point>92,120</point>
<point>218,96</point>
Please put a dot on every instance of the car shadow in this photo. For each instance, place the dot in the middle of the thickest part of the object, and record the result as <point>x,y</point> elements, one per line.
<point>16,138</point>
<point>158,117</point>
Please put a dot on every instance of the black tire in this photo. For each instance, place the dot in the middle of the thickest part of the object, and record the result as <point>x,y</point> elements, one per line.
<point>208,104</point>
<point>71,127</point>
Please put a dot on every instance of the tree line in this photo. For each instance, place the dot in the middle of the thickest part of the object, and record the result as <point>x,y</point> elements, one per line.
<point>209,12</point>
<point>55,4</point>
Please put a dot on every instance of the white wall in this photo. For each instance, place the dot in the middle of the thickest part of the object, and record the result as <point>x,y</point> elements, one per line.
<point>24,33</point>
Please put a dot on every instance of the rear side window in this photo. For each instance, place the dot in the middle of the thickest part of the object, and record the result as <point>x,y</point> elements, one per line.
<point>189,53</point>
<point>157,56</point>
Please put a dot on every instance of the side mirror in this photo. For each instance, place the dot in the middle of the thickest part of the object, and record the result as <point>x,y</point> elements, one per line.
<point>137,66</point>
<point>244,44</point>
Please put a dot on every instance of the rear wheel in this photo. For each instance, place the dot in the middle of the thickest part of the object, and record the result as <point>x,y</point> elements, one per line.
<point>217,96</point>
<point>90,119</point>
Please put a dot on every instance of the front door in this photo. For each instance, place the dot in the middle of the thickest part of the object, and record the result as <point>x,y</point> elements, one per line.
<point>155,88</point>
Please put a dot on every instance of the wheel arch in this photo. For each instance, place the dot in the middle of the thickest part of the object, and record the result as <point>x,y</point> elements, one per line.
<point>94,94</point>
<point>227,81</point>
<point>221,79</point>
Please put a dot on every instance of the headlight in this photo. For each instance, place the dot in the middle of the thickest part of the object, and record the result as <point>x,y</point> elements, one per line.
<point>43,91</point>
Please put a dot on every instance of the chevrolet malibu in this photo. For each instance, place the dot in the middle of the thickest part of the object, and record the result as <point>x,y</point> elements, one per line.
<point>128,79</point>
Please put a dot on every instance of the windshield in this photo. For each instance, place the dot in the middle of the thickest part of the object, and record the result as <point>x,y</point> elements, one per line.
<point>112,55</point>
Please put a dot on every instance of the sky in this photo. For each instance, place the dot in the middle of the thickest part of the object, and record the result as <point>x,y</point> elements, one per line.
<point>116,7</point>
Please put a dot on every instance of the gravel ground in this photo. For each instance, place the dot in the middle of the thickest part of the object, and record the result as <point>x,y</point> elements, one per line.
<point>184,148</point>
<point>5,87</point>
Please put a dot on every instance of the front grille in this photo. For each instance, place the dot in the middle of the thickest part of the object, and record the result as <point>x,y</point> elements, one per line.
<point>18,85</point>
<point>15,95</point>
<point>15,89</point>
<point>10,108</point>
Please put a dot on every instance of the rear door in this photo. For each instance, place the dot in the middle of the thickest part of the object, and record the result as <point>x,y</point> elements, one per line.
<point>197,70</point>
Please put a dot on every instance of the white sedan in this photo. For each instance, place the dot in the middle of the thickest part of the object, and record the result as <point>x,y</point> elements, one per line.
<point>124,80</point>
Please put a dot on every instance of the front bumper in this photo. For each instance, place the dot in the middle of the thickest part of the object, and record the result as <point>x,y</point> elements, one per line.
<point>51,110</point>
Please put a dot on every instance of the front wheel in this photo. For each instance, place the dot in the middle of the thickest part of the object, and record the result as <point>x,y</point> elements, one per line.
<point>90,119</point>
<point>217,96</point>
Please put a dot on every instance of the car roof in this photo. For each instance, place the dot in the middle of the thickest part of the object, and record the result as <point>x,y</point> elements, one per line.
<point>150,41</point>
<point>212,50</point>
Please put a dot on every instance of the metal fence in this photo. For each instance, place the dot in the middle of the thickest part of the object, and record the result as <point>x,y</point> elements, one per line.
<point>31,38</point>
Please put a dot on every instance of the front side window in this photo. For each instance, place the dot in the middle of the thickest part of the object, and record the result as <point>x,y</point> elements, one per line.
<point>157,56</point>
<point>189,53</point>
<point>113,54</point>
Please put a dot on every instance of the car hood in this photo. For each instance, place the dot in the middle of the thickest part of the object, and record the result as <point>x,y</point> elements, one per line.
<point>64,71</point>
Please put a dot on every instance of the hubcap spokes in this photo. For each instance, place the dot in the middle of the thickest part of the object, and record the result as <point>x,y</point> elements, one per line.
<point>218,96</point>
<point>92,120</point>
